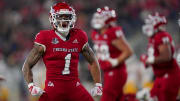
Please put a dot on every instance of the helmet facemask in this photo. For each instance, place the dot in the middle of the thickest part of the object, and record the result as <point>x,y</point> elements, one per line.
<point>97,21</point>
<point>148,28</point>
<point>63,23</point>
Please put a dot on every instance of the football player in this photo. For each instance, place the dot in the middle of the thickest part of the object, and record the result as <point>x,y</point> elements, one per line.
<point>159,55</point>
<point>60,48</point>
<point>112,50</point>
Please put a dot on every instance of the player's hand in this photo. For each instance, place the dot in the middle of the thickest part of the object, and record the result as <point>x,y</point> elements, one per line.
<point>113,62</point>
<point>143,95</point>
<point>105,65</point>
<point>35,90</point>
<point>150,60</point>
<point>143,59</point>
<point>97,90</point>
<point>108,63</point>
<point>146,60</point>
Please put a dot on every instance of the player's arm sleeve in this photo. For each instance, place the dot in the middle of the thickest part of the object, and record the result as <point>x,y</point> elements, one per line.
<point>40,40</point>
<point>164,39</point>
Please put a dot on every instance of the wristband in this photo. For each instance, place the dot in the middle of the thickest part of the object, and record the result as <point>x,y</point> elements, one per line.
<point>98,84</point>
<point>114,62</point>
<point>30,84</point>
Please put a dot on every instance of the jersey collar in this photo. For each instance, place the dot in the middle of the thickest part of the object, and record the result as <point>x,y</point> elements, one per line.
<point>60,36</point>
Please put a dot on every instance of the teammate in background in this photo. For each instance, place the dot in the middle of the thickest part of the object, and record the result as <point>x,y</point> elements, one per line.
<point>160,56</point>
<point>60,48</point>
<point>112,50</point>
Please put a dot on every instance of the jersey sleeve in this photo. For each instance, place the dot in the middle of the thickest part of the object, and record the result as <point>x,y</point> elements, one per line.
<point>83,38</point>
<point>118,32</point>
<point>163,39</point>
<point>40,40</point>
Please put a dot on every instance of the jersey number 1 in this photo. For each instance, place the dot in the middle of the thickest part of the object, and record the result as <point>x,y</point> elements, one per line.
<point>67,64</point>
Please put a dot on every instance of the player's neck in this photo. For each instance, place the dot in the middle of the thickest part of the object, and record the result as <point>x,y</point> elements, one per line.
<point>64,38</point>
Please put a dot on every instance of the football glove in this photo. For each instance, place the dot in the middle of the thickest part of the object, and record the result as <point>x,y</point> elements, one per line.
<point>147,60</point>
<point>34,90</point>
<point>105,65</point>
<point>150,60</point>
<point>108,63</point>
<point>143,95</point>
<point>114,62</point>
<point>97,90</point>
<point>143,59</point>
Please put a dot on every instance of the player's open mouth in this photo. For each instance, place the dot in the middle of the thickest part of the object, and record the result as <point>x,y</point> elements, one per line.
<point>65,24</point>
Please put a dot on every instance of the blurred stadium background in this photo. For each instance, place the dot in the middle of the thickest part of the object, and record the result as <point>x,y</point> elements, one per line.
<point>21,20</point>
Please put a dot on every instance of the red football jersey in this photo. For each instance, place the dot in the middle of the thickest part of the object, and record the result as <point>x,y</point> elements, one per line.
<point>154,42</point>
<point>61,57</point>
<point>103,44</point>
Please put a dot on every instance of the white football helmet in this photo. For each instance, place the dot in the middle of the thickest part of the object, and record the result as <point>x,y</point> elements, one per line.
<point>62,17</point>
<point>152,23</point>
<point>102,17</point>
